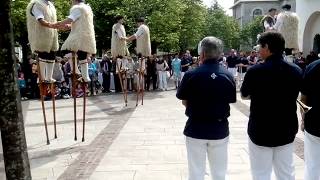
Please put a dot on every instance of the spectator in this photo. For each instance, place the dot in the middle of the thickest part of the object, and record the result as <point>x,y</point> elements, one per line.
<point>253,58</point>
<point>185,63</point>
<point>310,96</point>
<point>206,93</point>
<point>273,85</point>
<point>57,70</point>
<point>151,73</point>
<point>22,86</point>
<point>311,57</point>
<point>300,61</point>
<point>35,92</point>
<point>242,67</point>
<point>93,76</point>
<point>176,70</point>
<point>162,68</point>
<point>106,69</point>
<point>130,74</point>
<point>232,61</point>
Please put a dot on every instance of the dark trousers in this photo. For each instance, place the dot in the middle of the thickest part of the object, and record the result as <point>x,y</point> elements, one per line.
<point>154,81</point>
<point>92,84</point>
<point>117,84</point>
<point>152,77</point>
<point>148,79</point>
<point>106,82</point>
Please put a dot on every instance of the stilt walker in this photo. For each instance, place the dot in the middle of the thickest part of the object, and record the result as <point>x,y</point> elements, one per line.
<point>119,50</point>
<point>144,49</point>
<point>288,24</point>
<point>43,39</point>
<point>81,42</point>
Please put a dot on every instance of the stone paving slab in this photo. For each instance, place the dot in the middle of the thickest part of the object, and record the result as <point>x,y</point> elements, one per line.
<point>126,143</point>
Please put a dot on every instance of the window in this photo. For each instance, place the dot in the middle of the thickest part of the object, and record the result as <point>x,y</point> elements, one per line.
<point>257,12</point>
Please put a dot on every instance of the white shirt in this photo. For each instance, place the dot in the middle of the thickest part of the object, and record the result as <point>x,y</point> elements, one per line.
<point>37,12</point>
<point>140,32</point>
<point>120,32</point>
<point>75,14</point>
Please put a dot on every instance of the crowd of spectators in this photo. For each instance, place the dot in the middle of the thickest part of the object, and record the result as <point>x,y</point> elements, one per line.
<point>104,75</point>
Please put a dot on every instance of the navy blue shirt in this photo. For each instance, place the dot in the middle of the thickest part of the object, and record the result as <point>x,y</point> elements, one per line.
<point>232,61</point>
<point>185,61</point>
<point>208,91</point>
<point>311,89</point>
<point>273,88</point>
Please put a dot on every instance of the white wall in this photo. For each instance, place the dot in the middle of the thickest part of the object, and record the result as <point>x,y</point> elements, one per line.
<point>305,8</point>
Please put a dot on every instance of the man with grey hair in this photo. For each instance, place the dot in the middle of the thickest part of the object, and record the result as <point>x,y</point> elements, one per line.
<point>206,92</point>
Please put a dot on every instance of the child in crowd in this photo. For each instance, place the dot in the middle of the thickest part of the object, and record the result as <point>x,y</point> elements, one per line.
<point>22,86</point>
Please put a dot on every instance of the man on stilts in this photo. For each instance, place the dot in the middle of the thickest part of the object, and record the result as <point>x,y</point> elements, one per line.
<point>43,39</point>
<point>287,24</point>
<point>268,21</point>
<point>119,51</point>
<point>144,50</point>
<point>81,42</point>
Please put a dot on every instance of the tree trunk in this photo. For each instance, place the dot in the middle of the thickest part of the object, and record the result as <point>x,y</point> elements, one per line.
<point>11,121</point>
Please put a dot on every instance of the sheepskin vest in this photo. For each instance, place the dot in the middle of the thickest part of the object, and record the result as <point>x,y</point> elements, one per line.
<point>143,42</point>
<point>82,36</point>
<point>42,39</point>
<point>289,28</point>
<point>118,46</point>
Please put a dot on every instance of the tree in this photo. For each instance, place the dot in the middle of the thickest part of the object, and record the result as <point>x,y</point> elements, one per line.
<point>11,121</point>
<point>222,26</point>
<point>193,24</point>
<point>248,34</point>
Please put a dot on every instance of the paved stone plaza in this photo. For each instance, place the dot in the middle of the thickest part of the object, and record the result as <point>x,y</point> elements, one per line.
<point>127,143</point>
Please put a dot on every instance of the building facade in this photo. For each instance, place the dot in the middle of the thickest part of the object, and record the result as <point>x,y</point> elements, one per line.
<point>244,11</point>
<point>309,26</point>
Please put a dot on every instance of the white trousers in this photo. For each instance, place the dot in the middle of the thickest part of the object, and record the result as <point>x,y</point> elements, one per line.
<point>216,151</point>
<point>233,71</point>
<point>262,159</point>
<point>312,157</point>
<point>182,74</point>
<point>162,80</point>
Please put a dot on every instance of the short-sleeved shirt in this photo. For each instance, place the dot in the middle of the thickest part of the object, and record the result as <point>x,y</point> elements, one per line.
<point>184,61</point>
<point>311,89</point>
<point>208,90</point>
<point>243,61</point>
<point>232,61</point>
<point>37,11</point>
<point>75,14</point>
<point>176,65</point>
<point>140,31</point>
<point>273,88</point>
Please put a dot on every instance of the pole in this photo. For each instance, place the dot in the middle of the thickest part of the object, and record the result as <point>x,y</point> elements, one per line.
<point>121,83</point>
<point>42,87</point>
<point>74,86</point>
<point>84,85</point>
<point>54,109</point>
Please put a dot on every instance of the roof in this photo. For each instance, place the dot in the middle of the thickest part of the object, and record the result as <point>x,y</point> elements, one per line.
<point>243,1</point>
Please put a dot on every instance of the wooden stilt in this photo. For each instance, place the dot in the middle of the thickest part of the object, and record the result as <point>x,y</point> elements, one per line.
<point>121,83</point>
<point>53,93</point>
<point>42,87</point>
<point>74,86</point>
<point>84,88</point>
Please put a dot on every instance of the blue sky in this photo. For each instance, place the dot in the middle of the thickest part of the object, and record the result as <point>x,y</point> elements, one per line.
<point>226,4</point>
